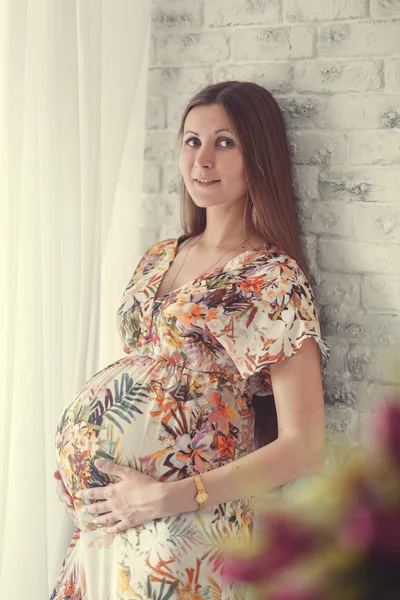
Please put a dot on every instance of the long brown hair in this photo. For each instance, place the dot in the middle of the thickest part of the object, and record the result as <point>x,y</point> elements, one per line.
<point>260,127</point>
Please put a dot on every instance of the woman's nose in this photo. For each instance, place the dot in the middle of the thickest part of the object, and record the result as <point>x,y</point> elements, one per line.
<point>204,157</point>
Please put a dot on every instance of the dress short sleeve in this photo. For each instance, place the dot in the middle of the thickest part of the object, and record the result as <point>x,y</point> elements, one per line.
<point>277,313</point>
<point>148,261</point>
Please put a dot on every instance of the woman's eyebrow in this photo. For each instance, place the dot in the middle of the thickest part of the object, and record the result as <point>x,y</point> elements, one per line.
<point>216,131</point>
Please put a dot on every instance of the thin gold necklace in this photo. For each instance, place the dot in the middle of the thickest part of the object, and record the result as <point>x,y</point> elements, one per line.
<point>209,268</point>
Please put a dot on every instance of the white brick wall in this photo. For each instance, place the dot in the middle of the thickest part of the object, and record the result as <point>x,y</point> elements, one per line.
<point>334,68</point>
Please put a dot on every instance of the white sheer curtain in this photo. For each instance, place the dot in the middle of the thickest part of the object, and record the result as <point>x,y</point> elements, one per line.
<point>72,106</point>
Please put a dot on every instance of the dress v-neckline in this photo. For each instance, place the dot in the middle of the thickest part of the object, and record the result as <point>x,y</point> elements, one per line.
<point>170,257</point>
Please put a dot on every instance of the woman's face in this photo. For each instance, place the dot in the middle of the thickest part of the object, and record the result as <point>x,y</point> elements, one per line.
<point>210,151</point>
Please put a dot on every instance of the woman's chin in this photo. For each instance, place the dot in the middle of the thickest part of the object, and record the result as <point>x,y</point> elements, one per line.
<point>207,202</point>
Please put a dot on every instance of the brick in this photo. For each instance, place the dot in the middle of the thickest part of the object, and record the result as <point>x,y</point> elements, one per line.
<point>392,66</point>
<point>340,392</point>
<point>171,179</point>
<point>156,113</point>
<point>372,184</point>
<point>303,41</point>
<point>377,223</point>
<point>313,271</point>
<point>175,108</point>
<point>275,77</point>
<point>174,14</point>
<point>370,396</point>
<point>193,48</point>
<point>305,181</point>
<point>374,147</point>
<point>317,149</point>
<point>338,76</point>
<point>309,245</point>
<point>315,10</point>
<point>316,217</point>
<point>170,230</point>
<point>358,257</point>
<point>147,237</point>
<point>342,111</point>
<point>373,363</point>
<point>160,146</point>
<point>227,13</point>
<point>337,289</point>
<point>159,208</point>
<point>381,292</point>
<point>374,112</point>
<point>349,322</point>
<point>302,112</point>
<point>281,43</point>
<point>151,178</point>
<point>341,424</point>
<point>183,81</point>
<point>370,38</point>
<point>367,422</point>
<point>337,364</point>
<point>385,8</point>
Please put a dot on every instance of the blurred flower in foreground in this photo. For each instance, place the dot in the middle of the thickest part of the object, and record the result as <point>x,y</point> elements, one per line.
<point>340,539</point>
<point>389,431</point>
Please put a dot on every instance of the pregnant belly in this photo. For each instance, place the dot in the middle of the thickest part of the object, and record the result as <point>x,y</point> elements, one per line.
<point>153,416</point>
<point>109,419</point>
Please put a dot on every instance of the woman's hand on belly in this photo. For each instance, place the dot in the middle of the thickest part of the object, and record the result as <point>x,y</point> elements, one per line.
<point>132,501</point>
<point>65,498</point>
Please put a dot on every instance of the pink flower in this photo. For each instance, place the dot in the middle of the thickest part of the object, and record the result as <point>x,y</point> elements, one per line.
<point>375,529</point>
<point>246,570</point>
<point>371,525</point>
<point>388,430</point>
<point>358,528</point>
<point>288,541</point>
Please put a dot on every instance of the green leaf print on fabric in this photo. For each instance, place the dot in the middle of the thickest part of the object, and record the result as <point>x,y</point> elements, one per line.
<point>163,593</point>
<point>123,405</point>
<point>183,534</point>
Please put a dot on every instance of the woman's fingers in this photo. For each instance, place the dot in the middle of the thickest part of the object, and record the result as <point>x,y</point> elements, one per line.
<point>63,495</point>
<point>65,498</point>
<point>70,511</point>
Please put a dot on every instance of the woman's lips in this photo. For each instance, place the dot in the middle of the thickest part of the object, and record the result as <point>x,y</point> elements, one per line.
<point>206,184</point>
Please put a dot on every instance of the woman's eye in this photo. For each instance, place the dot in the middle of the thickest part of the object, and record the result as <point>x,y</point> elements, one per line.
<point>226,140</point>
<point>190,140</point>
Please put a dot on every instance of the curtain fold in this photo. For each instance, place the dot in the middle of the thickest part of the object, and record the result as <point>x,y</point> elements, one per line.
<point>73,78</point>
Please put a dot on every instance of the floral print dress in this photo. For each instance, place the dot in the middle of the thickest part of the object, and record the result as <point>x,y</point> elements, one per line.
<point>178,404</point>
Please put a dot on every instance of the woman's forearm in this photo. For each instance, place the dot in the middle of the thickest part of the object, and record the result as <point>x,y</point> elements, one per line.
<point>263,470</point>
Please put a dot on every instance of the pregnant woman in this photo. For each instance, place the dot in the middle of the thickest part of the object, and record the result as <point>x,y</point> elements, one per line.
<point>156,452</point>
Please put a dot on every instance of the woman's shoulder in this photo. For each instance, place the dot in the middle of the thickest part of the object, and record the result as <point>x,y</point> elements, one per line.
<point>153,255</point>
<point>272,262</point>
<point>161,247</point>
